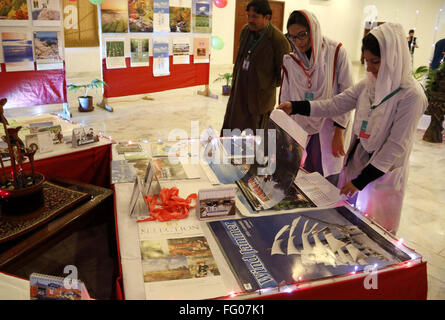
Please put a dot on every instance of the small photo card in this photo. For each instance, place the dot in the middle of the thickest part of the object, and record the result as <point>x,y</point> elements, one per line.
<point>216,202</point>
<point>56,133</point>
<point>42,141</point>
<point>81,136</point>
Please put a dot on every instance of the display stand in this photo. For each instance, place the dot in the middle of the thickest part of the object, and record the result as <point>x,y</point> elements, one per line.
<point>103,104</point>
<point>206,93</point>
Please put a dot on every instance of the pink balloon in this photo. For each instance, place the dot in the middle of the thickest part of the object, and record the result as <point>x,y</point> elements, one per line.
<point>220,3</point>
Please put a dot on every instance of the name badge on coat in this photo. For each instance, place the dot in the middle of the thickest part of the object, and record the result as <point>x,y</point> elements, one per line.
<point>246,64</point>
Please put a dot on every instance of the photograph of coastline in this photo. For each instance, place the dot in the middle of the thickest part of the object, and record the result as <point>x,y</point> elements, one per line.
<point>47,50</point>
<point>17,51</point>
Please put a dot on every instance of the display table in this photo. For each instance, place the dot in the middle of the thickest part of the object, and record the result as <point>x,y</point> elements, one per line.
<point>405,280</point>
<point>89,163</point>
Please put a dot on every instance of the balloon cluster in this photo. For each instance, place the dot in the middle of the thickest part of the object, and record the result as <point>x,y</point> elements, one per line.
<point>217,42</point>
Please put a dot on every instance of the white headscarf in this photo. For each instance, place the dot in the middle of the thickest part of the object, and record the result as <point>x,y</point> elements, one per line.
<point>394,72</point>
<point>395,67</point>
<point>321,61</point>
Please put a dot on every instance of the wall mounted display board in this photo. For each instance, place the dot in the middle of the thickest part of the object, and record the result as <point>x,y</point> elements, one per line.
<point>31,53</point>
<point>169,28</point>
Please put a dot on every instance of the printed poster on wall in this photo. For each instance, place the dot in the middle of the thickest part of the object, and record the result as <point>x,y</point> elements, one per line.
<point>161,17</point>
<point>17,51</point>
<point>115,49</point>
<point>180,15</point>
<point>202,16</point>
<point>47,50</point>
<point>139,52</point>
<point>85,33</point>
<point>161,63</point>
<point>181,50</point>
<point>140,15</point>
<point>201,51</point>
<point>14,13</point>
<point>46,12</point>
<point>114,16</point>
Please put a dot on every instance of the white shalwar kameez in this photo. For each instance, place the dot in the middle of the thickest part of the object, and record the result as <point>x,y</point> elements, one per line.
<point>323,84</point>
<point>387,142</point>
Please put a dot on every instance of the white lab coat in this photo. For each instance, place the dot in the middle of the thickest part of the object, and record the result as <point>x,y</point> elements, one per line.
<point>295,85</point>
<point>391,127</point>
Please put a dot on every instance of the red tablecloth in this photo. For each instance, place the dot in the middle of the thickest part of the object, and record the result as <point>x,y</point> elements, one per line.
<point>92,165</point>
<point>139,80</point>
<point>405,283</point>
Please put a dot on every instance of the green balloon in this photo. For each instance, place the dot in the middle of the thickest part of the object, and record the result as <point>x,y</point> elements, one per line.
<point>217,43</point>
<point>96,1</point>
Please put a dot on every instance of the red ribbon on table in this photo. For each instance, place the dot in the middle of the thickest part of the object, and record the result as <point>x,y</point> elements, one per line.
<point>170,205</point>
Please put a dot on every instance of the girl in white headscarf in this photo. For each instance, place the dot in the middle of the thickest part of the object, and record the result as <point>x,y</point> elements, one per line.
<point>318,68</point>
<point>388,103</point>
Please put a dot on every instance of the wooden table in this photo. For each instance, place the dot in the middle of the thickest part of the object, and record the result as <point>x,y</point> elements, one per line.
<point>83,237</point>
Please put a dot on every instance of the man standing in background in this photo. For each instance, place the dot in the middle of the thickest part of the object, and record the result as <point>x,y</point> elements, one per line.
<point>412,44</point>
<point>257,71</point>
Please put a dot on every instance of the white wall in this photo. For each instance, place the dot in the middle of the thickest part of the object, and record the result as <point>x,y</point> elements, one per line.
<point>424,22</point>
<point>341,20</point>
<point>335,18</point>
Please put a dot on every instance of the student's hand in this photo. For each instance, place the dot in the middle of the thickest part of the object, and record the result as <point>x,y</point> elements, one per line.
<point>286,107</point>
<point>348,189</point>
<point>338,148</point>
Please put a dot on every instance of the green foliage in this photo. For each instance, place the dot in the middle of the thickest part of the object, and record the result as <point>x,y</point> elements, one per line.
<point>431,83</point>
<point>224,77</point>
<point>96,83</point>
<point>420,73</point>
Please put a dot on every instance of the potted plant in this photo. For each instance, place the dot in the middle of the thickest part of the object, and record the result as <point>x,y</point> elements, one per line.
<point>227,77</point>
<point>86,101</point>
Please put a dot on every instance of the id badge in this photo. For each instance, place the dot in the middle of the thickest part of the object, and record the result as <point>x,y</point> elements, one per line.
<point>246,64</point>
<point>363,133</point>
<point>308,96</point>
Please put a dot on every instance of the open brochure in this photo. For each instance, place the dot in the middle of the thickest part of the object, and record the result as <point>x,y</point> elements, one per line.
<point>177,262</point>
<point>265,187</point>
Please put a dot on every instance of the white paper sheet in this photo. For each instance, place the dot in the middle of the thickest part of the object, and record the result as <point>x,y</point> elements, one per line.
<point>318,189</point>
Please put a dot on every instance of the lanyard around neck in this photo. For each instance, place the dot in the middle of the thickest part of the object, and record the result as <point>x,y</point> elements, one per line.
<point>255,42</point>
<point>308,75</point>
<point>384,99</point>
